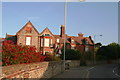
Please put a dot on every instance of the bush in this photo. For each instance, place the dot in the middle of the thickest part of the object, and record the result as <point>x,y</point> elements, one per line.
<point>71,54</point>
<point>14,54</point>
<point>52,57</point>
<point>89,55</point>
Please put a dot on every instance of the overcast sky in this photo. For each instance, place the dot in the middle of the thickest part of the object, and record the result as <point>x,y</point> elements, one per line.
<point>90,18</point>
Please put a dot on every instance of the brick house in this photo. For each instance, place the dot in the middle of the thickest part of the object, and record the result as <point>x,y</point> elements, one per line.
<point>46,42</point>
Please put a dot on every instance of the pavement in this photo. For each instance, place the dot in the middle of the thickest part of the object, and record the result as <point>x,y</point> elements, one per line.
<point>107,71</point>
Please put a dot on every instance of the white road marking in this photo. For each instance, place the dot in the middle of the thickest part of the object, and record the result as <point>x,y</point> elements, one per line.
<point>114,69</point>
<point>114,72</point>
<point>117,75</point>
<point>90,68</point>
<point>88,72</point>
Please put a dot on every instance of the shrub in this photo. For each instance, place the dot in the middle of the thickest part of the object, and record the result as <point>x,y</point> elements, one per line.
<point>71,54</point>
<point>89,55</point>
<point>52,57</point>
<point>14,54</point>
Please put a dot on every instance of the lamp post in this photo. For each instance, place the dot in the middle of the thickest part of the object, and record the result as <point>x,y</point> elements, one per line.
<point>94,48</point>
<point>65,14</point>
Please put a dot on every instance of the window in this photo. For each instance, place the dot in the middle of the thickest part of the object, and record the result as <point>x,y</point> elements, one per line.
<point>46,43</point>
<point>28,40</point>
<point>57,40</point>
<point>72,46</point>
<point>42,42</point>
<point>86,42</point>
<point>46,35</point>
<point>86,48</point>
<point>72,41</point>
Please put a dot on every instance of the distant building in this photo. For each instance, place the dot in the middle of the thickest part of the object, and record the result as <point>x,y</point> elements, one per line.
<point>46,42</point>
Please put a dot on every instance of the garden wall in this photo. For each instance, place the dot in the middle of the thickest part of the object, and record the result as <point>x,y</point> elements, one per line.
<point>33,70</point>
<point>41,69</point>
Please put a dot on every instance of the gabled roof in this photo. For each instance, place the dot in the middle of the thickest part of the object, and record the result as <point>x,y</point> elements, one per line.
<point>2,38</point>
<point>46,29</point>
<point>89,40</point>
<point>61,39</point>
<point>79,39</point>
<point>25,26</point>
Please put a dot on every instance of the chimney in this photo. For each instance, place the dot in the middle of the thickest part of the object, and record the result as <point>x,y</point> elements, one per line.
<point>80,34</point>
<point>62,31</point>
<point>90,37</point>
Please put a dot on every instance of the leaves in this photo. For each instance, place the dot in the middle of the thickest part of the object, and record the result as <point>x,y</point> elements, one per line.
<point>15,54</point>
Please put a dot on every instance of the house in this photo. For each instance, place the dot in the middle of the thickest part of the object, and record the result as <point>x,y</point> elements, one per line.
<point>47,42</point>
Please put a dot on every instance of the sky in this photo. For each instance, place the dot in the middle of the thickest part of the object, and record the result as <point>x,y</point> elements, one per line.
<point>89,18</point>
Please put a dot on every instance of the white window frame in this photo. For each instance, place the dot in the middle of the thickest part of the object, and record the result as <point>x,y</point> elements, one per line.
<point>58,40</point>
<point>86,48</point>
<point>28,40</point>
<point>46,42</point>
<point>72,41</point>
<point>72,46</point>
<point>42,42</point>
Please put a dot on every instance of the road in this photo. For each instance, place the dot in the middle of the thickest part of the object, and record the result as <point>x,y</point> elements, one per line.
<point>98,71</point>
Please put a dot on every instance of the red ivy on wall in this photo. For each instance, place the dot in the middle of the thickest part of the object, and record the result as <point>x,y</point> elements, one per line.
<point>15,54</point>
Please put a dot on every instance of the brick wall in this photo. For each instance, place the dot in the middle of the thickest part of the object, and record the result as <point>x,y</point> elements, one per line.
<point>41,69</point>
<point>33,70</point>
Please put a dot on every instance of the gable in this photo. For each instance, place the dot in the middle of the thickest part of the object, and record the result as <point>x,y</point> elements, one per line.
<point>28,28</point>
<point>46,31</point>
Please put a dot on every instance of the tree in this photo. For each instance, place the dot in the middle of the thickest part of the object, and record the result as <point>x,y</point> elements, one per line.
<point>111,51</point>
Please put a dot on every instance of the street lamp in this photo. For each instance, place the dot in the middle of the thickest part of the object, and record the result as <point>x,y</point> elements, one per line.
<point>65,14</point>
<point>94,48</point>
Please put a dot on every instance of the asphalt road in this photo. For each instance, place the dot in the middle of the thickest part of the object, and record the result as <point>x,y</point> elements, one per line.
<point>109,71</point>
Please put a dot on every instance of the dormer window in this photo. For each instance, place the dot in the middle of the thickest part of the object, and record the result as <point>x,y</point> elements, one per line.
<point>72,41</point>
<point>86,48</point>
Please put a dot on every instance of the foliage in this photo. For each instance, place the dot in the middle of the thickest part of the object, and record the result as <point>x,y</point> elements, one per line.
<point>14,54</point>
<point>111,51</point>
<point>83,60</point>
<point>71,54</point>
<point>52,57</point>
<point>98,44</point>
<point>86,56</point>
<point>89,55</point>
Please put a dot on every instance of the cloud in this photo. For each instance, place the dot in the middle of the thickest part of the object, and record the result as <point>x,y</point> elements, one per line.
<point>33,18</point>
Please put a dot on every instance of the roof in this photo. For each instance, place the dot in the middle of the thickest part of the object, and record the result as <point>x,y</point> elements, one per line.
<point>2,38</point>
<point>77,39</point>
<point>8,35</point>
<point>61,39</point>
<point>46,29</point>
<point>25,26</point>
